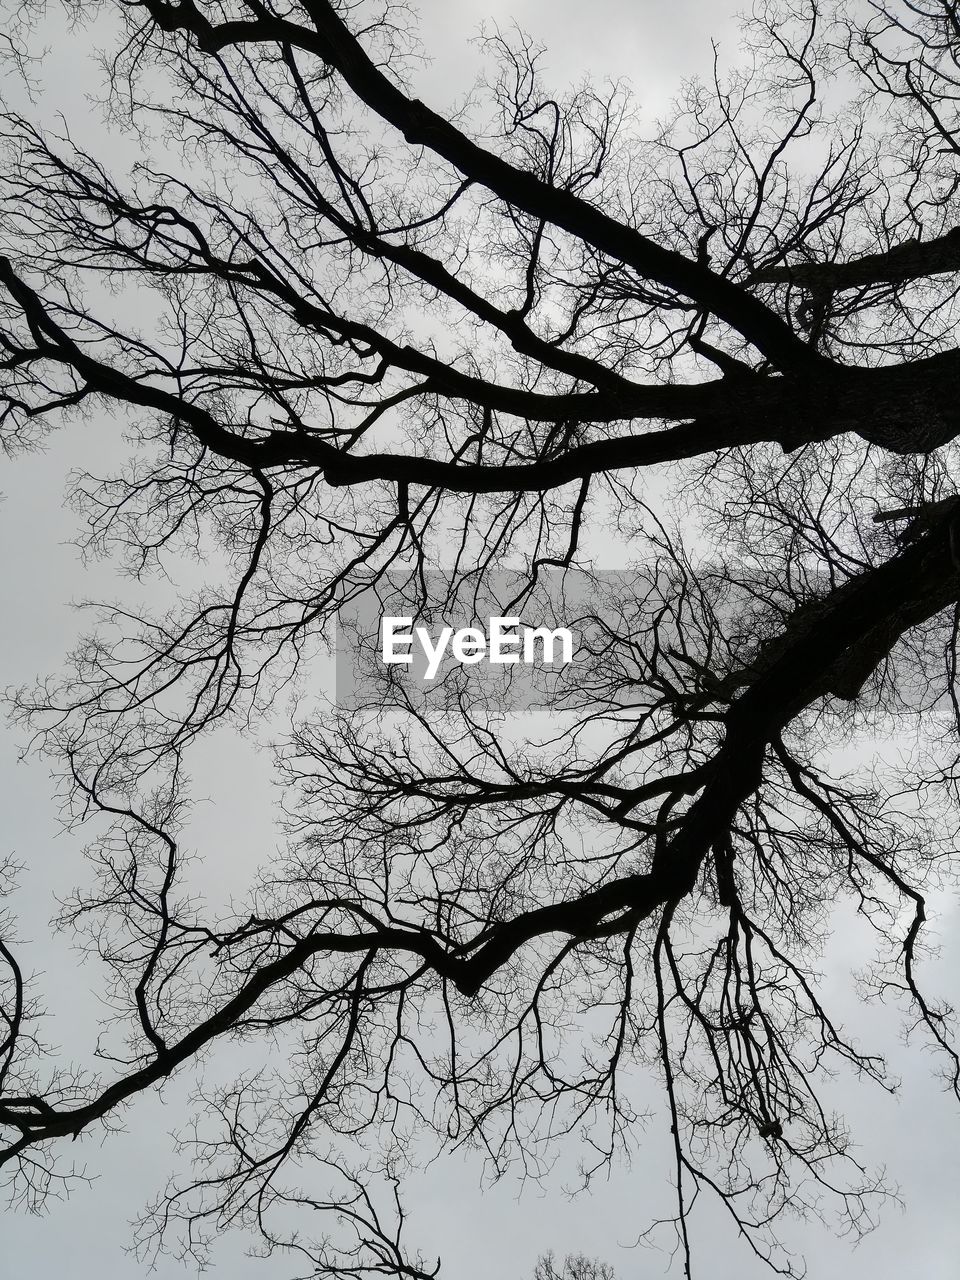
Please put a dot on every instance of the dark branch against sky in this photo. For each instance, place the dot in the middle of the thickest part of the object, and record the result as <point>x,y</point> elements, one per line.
<point>354,334</point>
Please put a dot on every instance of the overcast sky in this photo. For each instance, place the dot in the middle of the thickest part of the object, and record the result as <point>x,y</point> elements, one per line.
<point>499,1231</point>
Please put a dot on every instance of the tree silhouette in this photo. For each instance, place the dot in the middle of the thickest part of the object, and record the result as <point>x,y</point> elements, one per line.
<point>385,353</point>
<point>575,1267</point>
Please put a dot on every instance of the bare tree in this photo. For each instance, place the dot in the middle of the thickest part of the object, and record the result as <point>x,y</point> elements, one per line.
<point>381,345</point>
<point>575,1267</point>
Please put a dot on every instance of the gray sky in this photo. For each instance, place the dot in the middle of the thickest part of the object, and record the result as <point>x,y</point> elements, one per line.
<point>498,1232</point>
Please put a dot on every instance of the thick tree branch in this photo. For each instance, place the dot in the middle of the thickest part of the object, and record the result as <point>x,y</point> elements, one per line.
<point>912,260</point>
<point>331,41</point>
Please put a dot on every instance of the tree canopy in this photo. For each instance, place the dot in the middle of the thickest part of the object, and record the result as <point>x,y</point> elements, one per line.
<point>700,374</point>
